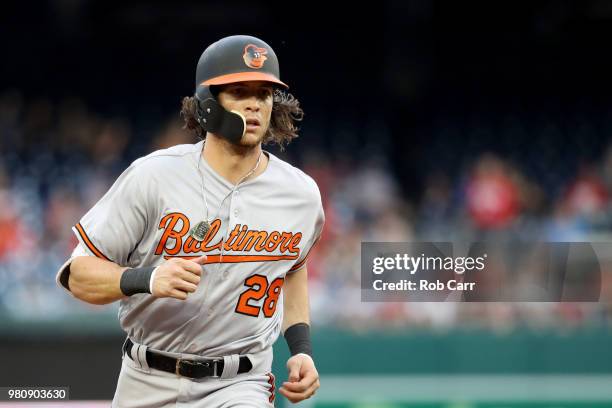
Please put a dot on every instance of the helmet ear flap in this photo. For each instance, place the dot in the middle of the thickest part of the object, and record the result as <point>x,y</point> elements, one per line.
<point>213,118</point>
<point>204,92</point>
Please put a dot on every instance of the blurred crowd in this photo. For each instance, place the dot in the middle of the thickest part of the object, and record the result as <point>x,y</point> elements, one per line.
<point>57,158</point>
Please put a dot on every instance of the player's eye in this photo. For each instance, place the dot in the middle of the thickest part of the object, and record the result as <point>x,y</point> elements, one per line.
<point>265,93</point>
<point>237,91</point>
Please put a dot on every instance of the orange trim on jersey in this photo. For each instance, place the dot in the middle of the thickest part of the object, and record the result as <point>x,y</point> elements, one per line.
<point>88,242</point>
<point>239,258</point>
<point>298,265</point>
<point>303,261</point>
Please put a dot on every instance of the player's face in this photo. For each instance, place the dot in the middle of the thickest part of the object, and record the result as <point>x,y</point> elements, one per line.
<point>253,99</point>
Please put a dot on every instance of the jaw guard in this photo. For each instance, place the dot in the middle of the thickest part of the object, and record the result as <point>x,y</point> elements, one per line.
<point>214,118</point>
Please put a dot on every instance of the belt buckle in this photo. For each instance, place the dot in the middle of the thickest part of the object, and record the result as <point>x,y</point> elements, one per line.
<point>177,368</point>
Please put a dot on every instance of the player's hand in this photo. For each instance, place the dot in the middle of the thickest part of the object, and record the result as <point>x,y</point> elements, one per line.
<point>303,379</point>
<point>177,277</point>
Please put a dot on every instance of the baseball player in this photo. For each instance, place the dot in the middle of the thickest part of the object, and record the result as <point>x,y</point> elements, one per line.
<point>205,246</point>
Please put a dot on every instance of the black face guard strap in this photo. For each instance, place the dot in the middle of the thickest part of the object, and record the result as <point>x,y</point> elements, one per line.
<point>215,119</point>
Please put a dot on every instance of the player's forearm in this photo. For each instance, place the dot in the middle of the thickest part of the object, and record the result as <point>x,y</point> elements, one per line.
<point>94,280</point>
<point>295,299</point>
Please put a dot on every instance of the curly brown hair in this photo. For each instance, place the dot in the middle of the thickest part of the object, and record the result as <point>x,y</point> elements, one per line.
<point>286,111</point>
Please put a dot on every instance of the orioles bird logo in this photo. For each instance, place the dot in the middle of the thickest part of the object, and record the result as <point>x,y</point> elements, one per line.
<point>254,56</point>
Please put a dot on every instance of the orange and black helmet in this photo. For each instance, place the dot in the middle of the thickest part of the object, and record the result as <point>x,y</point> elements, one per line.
<point>235,59</point>
<point>231,59</point>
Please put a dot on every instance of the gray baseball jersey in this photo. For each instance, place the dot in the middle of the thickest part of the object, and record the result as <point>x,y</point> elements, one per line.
<point>261,229</point>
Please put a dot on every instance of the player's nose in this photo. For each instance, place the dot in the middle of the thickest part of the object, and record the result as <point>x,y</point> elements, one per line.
<point>253,104</point>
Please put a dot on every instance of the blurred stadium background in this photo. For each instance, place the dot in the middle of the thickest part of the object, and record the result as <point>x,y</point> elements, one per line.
<point>425,120</point>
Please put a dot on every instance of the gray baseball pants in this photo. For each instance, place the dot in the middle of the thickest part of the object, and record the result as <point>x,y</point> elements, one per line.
<point>140,386</point>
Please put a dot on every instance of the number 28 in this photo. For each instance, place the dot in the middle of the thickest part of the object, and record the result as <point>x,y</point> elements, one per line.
<point>258,288</point>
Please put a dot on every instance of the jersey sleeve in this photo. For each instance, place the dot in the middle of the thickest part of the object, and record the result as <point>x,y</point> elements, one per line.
<point>114,226</point>
<point>63,273</point>
<point>319,221</point>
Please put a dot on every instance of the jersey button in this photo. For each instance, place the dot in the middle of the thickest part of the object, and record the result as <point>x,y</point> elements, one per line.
<point>236,212</point>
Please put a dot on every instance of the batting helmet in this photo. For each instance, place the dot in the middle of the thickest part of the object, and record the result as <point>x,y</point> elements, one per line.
<point>232,59</point>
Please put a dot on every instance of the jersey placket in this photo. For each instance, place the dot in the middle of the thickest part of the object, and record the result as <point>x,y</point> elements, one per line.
<point>213,272</point>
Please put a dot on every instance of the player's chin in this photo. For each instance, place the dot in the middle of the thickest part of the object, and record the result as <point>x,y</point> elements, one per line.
<point>252,138</point>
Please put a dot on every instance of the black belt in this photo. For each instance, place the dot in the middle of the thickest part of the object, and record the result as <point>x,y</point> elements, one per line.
<point>188,368</point>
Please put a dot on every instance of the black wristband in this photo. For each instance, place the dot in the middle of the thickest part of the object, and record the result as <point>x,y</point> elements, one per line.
<point>298,339</point>
<point>136,280</point>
